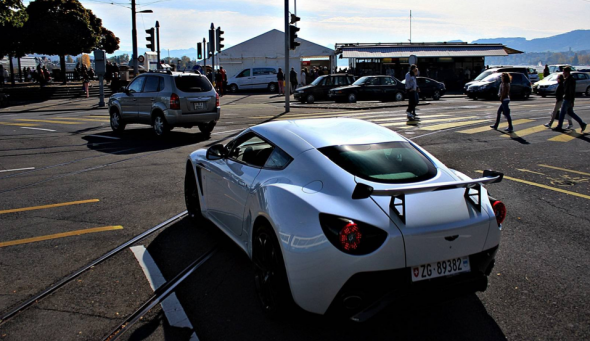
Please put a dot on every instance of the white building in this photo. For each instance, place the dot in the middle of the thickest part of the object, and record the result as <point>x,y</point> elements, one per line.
<point>268,50</point>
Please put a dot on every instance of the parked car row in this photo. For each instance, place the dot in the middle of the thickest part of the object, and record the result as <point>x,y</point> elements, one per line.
<point>489,86</point>
<point>548,85</point>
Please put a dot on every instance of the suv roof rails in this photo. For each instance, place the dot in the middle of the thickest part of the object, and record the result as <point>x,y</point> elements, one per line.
<point>168,72</point>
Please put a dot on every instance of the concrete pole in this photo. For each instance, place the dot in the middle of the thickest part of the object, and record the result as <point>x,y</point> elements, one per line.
<point>158,66</point>
<point>287,73</point>
<point>134,38</point>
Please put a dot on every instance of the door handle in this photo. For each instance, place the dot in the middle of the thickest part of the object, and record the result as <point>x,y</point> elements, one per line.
<point>242,183</point>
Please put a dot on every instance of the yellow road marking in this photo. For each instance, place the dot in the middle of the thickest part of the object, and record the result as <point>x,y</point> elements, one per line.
<point>18,124</point>
<point>46,121</point>
<point>347,114</point>
<point>529,171</point>
<point>565,137</point>
<point>403,117</point>
<point>60,235</point>
<point>565,170</point>
<point>81,119</point>
<point>417,123</point>
<point>318,113</point>
<point>486,128</point>
<point>526,132</point>
<point>49,206</point>
<point>452,125</point>
<point>545,186</point>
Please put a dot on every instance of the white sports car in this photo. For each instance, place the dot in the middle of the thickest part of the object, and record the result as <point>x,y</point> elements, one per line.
<point>344,216</point>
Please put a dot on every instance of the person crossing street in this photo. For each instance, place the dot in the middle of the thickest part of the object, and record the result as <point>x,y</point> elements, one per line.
<point>411,89</point>
<point>569,96</point>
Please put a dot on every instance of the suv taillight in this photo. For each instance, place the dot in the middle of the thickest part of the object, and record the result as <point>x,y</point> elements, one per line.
<point>216,100</point>
<point>174,102</point>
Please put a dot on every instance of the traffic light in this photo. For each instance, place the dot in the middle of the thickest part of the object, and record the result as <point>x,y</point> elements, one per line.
<point>294,19</point>
<point>211,41</point>
<point>219,38</point>
<point>150,38</point>
<point>199,51</point>
<point>292,36</point>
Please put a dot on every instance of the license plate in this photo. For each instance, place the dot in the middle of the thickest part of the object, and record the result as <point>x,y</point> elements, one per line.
<point>440,269</point>
<point>199,105</point>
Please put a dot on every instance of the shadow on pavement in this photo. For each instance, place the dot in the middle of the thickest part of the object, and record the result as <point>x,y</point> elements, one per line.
<point>221,302</point>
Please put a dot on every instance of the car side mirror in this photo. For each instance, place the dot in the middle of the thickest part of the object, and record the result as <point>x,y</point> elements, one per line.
<point>122,89</point>
<point>216,152</point>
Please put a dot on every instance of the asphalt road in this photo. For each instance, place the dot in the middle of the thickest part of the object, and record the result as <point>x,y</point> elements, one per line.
<point>71,190</point>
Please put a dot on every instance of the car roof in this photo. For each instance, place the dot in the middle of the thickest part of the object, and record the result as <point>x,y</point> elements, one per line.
<point>297,136</point>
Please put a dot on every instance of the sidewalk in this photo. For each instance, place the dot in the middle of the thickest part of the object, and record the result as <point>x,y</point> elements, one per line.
<point>78,104</point>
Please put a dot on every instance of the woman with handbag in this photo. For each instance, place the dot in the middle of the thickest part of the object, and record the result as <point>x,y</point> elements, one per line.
<point>504,95</point>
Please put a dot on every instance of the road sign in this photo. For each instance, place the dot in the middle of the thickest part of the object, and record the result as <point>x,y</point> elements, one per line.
<point>140,59</point>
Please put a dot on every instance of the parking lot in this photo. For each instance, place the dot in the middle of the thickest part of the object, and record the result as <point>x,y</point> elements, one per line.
<point>71,190</point>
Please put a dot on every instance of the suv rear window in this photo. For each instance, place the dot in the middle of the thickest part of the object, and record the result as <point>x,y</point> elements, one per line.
<point>390,162</point>
<point>192,83</point>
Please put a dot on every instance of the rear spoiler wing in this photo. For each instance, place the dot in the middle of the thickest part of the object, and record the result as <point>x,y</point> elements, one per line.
<point>363,191</point>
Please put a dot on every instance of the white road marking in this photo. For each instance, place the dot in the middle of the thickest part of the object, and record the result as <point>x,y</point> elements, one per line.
<point>105,137</point>
<point>227,131</point>
<point>17,169</point>
<point>171,306</point>
<point>38,129</point>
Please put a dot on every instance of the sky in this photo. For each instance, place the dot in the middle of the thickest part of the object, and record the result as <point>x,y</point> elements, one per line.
<point>326,22</point>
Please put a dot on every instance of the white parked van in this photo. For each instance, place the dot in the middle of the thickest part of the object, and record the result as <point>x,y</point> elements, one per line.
<point>254,78</point>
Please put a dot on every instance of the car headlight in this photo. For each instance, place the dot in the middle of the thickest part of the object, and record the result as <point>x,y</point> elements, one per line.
<point>299,91</point>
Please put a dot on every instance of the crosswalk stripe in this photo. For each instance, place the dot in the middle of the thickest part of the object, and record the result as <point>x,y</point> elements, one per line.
<point>343,114</point>
<point>81,119</point>
<point>486,128</point>
<point>18,124</point>
<point>452,125</point>
<point>565,137</point>
<point>403,117</point>
<point>418,123</point>
<point>526,132</point>
<point>47,121</point>
<point>317,113</point>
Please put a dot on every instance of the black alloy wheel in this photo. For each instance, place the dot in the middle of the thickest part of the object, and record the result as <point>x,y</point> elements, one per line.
<point>270,275</point>
<point>310,99</point>
<point>191,194</point>
<point>436,95</point>
<point>399,96</point>
<point>160,125</point>
<point>351,97</point>
<point>117,124</point>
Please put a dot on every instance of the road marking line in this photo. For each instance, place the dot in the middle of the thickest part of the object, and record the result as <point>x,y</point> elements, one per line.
<point>565,137</point>
<point>565,170</point>
<point>60,235</point>
<point>80,119</point>
<point>316,113</point>
<point>18,124</point>
<point>417,123</point>
<point>486,128</point>
<point>16,169</point>
<point>545,186</point>
<point>450,125</point>
<point>526,132</point>
<point>105,137</point>
<point>49,206</point>
<point>46,121</point>
<point>347,114</point>
<point>529,171</point>
<point>38,129</point>
<point>171,305</point>
<point>403,117</point>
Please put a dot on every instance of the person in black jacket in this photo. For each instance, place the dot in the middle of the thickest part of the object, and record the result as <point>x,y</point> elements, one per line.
<point>293,79</point>
<point>546,71</point>
<point>281,81</point>
<point>558,103</point>
<point>569,95</point>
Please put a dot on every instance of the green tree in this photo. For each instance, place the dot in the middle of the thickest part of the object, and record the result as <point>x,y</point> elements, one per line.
<point>575,60</point>
<point>69,59</point>
<point>12,13</point>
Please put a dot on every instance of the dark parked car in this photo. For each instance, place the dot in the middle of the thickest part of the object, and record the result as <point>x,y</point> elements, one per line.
<point>319,88</point>
<point>429,88</point>
<point>382,88</point>
<point>489,86</point>
<point>522,69</point>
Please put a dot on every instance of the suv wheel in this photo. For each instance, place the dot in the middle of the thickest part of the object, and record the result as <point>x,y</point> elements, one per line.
<point>399,96</point>
<point>310,99</point>
<point>117,124</point>
<point>160,125</point>
<point>207,128</point>
<point>527,94</point>
<point>233,88</point>
<point>588,92</point>
<point>272,87</point>
<point>436,95</point>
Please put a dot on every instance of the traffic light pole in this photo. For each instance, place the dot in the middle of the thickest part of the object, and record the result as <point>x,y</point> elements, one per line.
<point>134,38</point>
<point>287,74</point>
<point>158,66</point>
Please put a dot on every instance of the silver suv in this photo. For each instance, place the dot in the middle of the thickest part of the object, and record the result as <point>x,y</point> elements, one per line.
<point>166,100</point>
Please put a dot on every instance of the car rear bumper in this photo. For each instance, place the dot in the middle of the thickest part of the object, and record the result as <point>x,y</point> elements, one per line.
<point>177,118</point>
<point>367,293</point>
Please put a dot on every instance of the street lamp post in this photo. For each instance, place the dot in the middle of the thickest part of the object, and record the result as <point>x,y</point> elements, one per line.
<point>134,35</point>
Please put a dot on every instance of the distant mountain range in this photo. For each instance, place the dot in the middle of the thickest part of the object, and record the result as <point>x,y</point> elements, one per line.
<point>578,40</point>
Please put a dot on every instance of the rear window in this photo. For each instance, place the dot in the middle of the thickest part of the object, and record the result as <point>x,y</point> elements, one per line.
<point>391,162</point>
<point>192,83</point>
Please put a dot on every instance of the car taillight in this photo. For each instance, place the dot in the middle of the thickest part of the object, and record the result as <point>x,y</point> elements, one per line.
<point>216,100</point>
<point>174,102</point>
<point>352,237</point>
<point>499,211</point>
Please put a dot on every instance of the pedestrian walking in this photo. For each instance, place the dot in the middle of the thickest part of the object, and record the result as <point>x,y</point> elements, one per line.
<point>569,96</point>
<point>558,103</point>
<point>219,82</point>
<point>546,71</point>
<point>504,94</point>
<point>223,79</point>
<point>293,76</point>
<point>411,89</point>
<point>303,77</point>
<point>281,81</point>
<point>3,74</point>
<point>85,80</point>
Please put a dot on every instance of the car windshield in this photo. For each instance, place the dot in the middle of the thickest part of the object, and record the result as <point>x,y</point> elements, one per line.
<point>390,162</point>
<point>361,80</point>
<point>492,78</point>
<point>192,83</point>
<point>483,75</point>
<point>318,80</point>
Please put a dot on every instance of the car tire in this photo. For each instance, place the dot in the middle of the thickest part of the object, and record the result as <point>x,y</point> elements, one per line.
<point>526,94</point>
<point>270,275</point>
<point>436,95</point>
<point>233,88</point>
<point>398,97</point>
<point>310,99</point>
<point>351,97</point>
<point>207,128</point>
<point>272,87</point>
<point>543,96</point>
<point>160,126</point>
<point>191,194</point>
<point>117,124</point>
<point>587,92</point>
